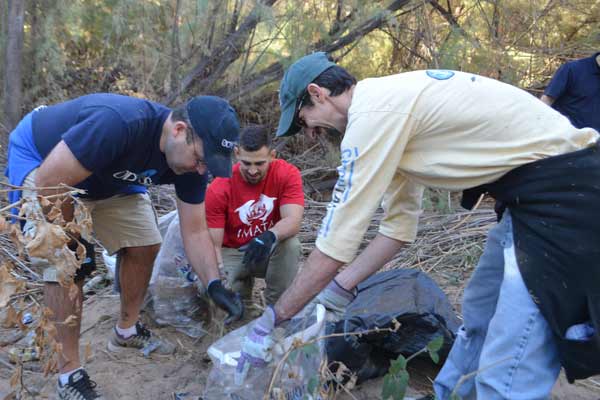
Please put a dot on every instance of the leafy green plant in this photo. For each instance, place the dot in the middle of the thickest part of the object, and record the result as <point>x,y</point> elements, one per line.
<point>395,382</point>
<point>437,200</point>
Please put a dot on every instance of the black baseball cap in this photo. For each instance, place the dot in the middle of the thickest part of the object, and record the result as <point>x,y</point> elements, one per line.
<point>216,123</point>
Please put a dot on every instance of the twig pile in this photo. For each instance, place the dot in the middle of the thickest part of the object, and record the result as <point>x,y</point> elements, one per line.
<point>447,246</point>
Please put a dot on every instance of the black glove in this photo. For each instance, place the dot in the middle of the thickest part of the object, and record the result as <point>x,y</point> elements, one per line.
<point>258,250</point>
<point>227,300</point>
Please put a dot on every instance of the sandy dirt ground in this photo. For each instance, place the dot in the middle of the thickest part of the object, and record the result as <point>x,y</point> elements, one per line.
<point>131,376</point>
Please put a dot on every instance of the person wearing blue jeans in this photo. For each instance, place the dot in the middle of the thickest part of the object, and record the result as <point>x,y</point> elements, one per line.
<point>457,131</point>
<point>504,335</point>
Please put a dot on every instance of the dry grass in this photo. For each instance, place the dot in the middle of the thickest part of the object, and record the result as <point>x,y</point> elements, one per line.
<point>447,247</point>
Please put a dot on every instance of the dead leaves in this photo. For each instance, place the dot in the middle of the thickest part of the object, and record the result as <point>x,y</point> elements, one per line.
<point>16,237</point>
<point>46,241</point>
<point>15,379</point>
<point>83,221</point>
<point>70,321</point>
<point>51,366</point>
<point>11,319</point>
<point>88,353</point>
<point>4,225</point>
<point>50,242</point>
<point>8,284</point>
<point>49,238</point>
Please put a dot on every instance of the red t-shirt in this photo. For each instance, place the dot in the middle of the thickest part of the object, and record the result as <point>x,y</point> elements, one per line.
<point>244,210</point>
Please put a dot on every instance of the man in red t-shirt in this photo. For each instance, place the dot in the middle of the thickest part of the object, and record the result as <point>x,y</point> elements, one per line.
<point>254,217</point>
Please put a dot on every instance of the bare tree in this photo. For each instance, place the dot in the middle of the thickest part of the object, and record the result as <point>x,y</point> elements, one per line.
<point>211,67</point>
<point>12,63</point>
<point>334,43</point>
<point>175,46</point>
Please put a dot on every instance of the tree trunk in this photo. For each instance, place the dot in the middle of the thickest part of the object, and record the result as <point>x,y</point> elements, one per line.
<point>235,16</point>
<point>175,48</point>
<point>31,76</point>
<point>12,63</point>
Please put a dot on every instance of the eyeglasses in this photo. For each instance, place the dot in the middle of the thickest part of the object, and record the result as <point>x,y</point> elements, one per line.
<point>200,162</point>
<point>300,103</point>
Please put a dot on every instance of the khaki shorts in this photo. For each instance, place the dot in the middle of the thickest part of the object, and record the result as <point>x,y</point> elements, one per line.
<point>119,221</point>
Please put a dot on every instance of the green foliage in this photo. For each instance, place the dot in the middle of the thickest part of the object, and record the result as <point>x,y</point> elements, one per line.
<point>437,200</point>
<point>395,382</point>
<point>127,46</point>
<point>434,347</point>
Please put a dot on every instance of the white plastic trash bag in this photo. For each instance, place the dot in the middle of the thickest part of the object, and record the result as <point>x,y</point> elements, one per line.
<point>298,375</point>
<point>176,299</point>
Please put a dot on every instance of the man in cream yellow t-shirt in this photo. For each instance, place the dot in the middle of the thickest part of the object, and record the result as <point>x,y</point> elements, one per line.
<point>441,129</point>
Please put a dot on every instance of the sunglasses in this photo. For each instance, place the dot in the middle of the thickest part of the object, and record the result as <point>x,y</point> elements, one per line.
<point>299,104</point>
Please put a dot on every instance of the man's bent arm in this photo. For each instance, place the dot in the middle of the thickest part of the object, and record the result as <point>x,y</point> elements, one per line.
<point>197,242</point>
<point>378,252</point>
<point>289,224</point>
<point>60,166</point>
<point>319,269</point>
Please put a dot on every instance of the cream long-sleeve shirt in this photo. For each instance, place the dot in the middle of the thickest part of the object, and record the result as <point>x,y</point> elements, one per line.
<point>442,129</point>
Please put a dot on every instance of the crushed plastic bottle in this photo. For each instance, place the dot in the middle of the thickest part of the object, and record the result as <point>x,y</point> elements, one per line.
<point>17,355</point>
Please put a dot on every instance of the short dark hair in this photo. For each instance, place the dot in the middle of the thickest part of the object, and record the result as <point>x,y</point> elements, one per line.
<point>255,137</point>
<point>180,114</point>
<point>336,79</point>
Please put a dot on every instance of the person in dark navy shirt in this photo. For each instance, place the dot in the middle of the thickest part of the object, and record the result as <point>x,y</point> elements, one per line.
<point>575,92</point>
<point>114,147</point>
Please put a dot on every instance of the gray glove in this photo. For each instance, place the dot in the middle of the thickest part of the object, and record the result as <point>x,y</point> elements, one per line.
<point>334,298</point>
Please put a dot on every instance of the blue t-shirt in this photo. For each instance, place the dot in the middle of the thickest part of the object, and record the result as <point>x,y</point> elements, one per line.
<point>576,90</point>
<point>117,138</point>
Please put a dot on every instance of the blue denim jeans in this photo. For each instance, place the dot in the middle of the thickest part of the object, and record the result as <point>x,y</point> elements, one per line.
<point>504,336</point>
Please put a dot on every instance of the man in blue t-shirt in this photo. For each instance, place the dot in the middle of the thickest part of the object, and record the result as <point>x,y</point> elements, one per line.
<point>114,147</point>
<point>575,92</point>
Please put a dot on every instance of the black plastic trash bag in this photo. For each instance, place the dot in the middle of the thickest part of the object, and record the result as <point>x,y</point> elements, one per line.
<point>408,296</point>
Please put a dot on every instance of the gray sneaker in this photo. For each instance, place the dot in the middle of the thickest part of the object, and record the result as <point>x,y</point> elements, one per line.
<point>143,340</point>
<point>79,387</point>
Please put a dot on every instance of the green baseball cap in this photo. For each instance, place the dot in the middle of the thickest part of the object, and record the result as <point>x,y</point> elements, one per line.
<point>294,83</point>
